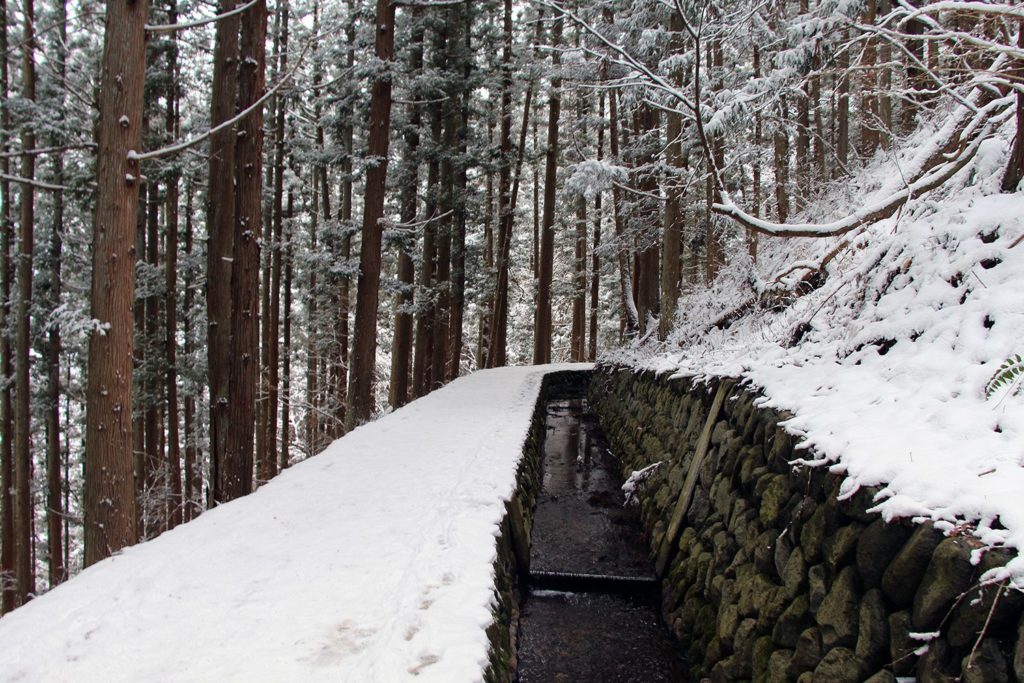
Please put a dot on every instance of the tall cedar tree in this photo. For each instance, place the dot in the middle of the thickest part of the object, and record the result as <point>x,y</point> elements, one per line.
<point>174,512</point>
<point>542,328</point>
<point>236,470</point>
<point>7,592</point>
<point>109,489</point>
<point>401,354</point>
<point>220,221</point>
<point>23,522</point>
<point>364,349</point>
<point>54,476</point>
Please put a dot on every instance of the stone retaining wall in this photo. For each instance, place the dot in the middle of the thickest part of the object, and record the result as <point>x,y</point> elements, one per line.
<point>767,576</point>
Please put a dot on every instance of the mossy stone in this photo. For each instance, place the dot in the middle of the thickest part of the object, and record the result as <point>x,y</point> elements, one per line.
<point>774,498</point>
<point>985,665</point>
<point>817,586</point>
<point>807,653</point>
<point>883,676</point>
<point>904,573</point>
<point>901,645</point>
<point>728,620</point>
<point>839,611</point>
<point>997,605</point>
<point>812,535</point>
<point>778,664</point>
<point>791,623</point>
<point>840,665</point>
<point>839,547</point>
<point>949,574</point>
<point>936,664</point>
<point>761,656</point>
<point>794,576</point>
<point>877,546</point>
<point>873,629</point>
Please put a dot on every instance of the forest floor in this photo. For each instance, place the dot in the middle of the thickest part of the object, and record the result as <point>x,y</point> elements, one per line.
<point>884,343</point>
<point>370,562</point>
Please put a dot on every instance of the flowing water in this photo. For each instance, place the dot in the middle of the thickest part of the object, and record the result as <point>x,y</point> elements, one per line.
<point>590,608</point>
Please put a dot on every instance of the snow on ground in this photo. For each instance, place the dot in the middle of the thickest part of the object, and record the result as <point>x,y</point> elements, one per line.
<point>888,381</point>
<point>371,562</point>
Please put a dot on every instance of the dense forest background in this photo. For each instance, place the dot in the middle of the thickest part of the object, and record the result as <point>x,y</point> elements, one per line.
<point>232,231</point>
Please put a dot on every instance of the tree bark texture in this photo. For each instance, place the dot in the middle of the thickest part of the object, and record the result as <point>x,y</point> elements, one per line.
<point>542,328</point>
<point>109,489</point>
<point>7,580</point>
<point>237,470</point>
<point>220,225</point>
<point>364,350</point>
<point>24,569</point>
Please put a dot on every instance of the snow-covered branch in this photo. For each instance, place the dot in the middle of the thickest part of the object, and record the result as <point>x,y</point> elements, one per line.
<point>977,129</point>
<point>173,28</point>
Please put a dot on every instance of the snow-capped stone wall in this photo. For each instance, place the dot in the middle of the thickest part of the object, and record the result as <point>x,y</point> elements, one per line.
<point>768,575</point>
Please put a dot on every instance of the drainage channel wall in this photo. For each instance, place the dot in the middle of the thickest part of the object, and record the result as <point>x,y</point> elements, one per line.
<point>513,541</point>
<point>767,576</point>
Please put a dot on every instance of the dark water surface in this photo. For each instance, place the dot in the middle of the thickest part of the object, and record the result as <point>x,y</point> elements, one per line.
<point>581,527</point>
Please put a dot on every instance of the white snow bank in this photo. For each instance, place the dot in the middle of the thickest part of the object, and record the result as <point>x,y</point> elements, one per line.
<point>371,562</point>
<point>887,382</point>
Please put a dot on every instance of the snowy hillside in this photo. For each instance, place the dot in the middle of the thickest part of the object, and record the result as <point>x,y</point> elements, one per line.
<point>370,562</point>
<point>883,342</point>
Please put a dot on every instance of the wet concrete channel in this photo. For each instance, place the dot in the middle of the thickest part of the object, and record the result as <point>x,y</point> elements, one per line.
<point>590,609</point>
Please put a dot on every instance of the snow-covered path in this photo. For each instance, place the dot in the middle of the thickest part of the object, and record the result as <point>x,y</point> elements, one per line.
<point>370,562</point>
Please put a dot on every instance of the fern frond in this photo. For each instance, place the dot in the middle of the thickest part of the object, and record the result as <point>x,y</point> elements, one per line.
<point>1010,372</point>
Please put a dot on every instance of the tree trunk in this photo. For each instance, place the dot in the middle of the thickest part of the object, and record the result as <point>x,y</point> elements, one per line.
<point>671,275</point>
<point>489,214</point>
<point>23,512</point>
<point>842,142</point>
<point>237,472</point>
<point>498,344</point>
<point>267,468</point>
<point>286,349</point>
<point>630,318</point>
<point>459,219</point>
<point>781,144</point>
<point>595,267</point>
<point>752,236</point>
<point>345,285</point>
<point>364,350</point>
<point>869,114</point>
<point>885,84</point>
<point>155,479</point>
<point>423,354</point>
<point>917,77</point>
<point>332,369</point>
<point>444,49</point>
<point>312,422</point>
<point>54,475</point>
<point>109,504</point>
<point>141,350</point>
<point>401,352</point>
<point>175,502</point>
<point>542,328</point>
<point>648,277</point>
<point>578,335</point>
<point>7,579</point>
<point>1015,166</point>
<point>220,225</point>
<point>193,473</point>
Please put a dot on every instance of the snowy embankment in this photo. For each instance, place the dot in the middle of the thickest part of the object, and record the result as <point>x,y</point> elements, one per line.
<point>371,562</point>
<point>885,360</point>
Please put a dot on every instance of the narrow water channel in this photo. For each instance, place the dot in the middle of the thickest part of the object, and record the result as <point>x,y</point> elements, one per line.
<point>590,608</point>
